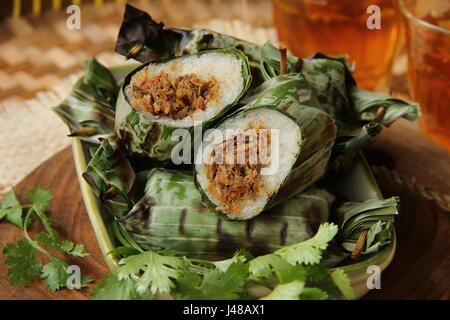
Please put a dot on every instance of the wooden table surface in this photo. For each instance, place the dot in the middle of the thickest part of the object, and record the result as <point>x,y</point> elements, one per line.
<point>420,269</point>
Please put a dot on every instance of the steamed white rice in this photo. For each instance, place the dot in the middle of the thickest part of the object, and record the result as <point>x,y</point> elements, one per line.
<point>225,68</point>
<point>289,140</point>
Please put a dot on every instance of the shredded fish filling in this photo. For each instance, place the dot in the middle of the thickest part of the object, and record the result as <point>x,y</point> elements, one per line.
<point>174,98</point>
<point>235,181</point>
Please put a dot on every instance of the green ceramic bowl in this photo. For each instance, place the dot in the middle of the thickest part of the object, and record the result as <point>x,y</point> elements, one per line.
<point>358,185</point>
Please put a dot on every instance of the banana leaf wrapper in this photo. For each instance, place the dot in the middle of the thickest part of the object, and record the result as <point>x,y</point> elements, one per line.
<point>112,178</point>
<point>346,148</point>
<point>292,95</point>
<point>171,215</point>
<point>355,106</point>
<point>332,79</point>
<point>290,91</point>
<point>89,109</point>
<point>376,216</point>
<point>149,138</point>
<point>360,114</point>
<point>381,107</point>
<point>145,40</point>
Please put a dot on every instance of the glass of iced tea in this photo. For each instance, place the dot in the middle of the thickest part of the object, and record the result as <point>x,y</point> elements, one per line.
<point>367,30</point>
<point>428,44</point>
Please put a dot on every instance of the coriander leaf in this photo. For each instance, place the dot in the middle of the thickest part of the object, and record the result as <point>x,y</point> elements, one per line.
<point>22,261</point>
<point>294,272</point>
<point>286,291</point>
<point>215,284</point>
<point>24,266</point>
<point>11,208</point>
<point>78,250</point>
<point>240,256</point>
<point>3,212</point>
<point>52,241</point>
<point>342,281</point>
<point>309,251</point>
<point>57,274</point>
<point>320,277</point>
<point>40,196</point>
<point>158,271</point>
<point>66,246</point>
<point>188,286</point>
<point>111,288</point>
<point>263,266</point>
<point>313,294</point>
<point>267,265</point>
<point>317,273</point>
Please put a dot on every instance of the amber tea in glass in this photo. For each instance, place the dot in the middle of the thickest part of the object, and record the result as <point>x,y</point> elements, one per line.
<point>428,43</point>
<point>335,27</point>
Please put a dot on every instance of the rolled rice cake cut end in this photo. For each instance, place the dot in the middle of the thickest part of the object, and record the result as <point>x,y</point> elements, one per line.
<point>241,187</point>
<point>187,89</point>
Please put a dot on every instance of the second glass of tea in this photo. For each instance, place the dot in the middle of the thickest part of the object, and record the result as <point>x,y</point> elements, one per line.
<point>428,44</point>
<point>366,30</point>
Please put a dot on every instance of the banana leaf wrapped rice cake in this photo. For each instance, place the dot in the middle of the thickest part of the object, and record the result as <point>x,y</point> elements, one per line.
<point>171,215</point>
<point>277,150</point>
<point>158,98</point>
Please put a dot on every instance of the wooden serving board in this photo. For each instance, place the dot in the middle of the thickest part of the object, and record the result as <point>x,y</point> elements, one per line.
<point>421,267</point>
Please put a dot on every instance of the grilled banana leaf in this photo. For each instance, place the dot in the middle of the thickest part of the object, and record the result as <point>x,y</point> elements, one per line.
<point>171,215</point>
<point>381,107</point>
<point>365,106</point>
<point>270,58</point>
<point>142,135</point>
<point>89,109</point>
<point>360,114</point>
<point>112,178</point>
<point>346,148</point>
<point>375,216</point>
<point>145,40</point>
<point>352,107</point>
<point>101,80</point>
<point>290,91</point>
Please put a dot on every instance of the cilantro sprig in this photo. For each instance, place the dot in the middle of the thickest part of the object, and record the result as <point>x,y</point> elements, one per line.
<point>24,267</point>
<point>293,272</point>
